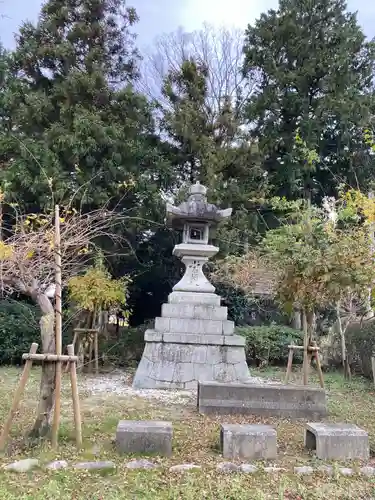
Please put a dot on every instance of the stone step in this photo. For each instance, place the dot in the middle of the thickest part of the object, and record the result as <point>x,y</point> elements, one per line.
<point>194,338</point>
<point>194,298</point>
<point>185,325</point>
<point>192,311</point>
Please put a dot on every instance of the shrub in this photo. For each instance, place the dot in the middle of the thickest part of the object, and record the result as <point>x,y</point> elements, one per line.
<point>360,343</point>
<point>19,327</point>
<point>246,310</point>
<point>269,344</point>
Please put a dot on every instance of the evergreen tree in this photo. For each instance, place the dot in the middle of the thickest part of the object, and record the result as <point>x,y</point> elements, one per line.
<point>75,127</point>
<point>210,146</point>
<point>315,94</point>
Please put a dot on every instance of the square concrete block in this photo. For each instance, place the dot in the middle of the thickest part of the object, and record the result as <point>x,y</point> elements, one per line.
<point>337,441</point>
<point>255,442</point>
<point>137,436</point>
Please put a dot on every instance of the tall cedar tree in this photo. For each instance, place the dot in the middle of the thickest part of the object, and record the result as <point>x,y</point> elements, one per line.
<point>210,145</point>
<point>74,124</point>
<point>316,69</point>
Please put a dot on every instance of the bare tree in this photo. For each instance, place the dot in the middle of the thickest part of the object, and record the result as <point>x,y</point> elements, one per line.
<point>218,49</point>
<point>27,265</point>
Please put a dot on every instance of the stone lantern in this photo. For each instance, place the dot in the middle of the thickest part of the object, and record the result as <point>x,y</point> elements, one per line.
<point>195,217</point>
<point>192,340</point>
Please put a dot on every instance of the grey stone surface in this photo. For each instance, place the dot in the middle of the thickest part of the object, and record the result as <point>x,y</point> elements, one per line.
<point>337,441</point>
<point>273,469</point>
<point>181,366</point>
<point>184,467</point>
<point>103,465</point>
<point>134,436</point>
<point>23,465</point>
<point>228,467</point>
<point>269,400</point>
<point>195,326</point>
<point>192,339</point>
<point>194,298</point>
<point>305,469</point>
<point>57,465</point>
<point>367,471</point>
<point>194,311</point>
<point>256,442</point>
<point>141,464</point>
<point>248,468</point>
<point>346,471</point>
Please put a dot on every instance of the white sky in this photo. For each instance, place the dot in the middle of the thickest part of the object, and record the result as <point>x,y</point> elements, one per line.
<point>219,12</point>
<point>160,16</point>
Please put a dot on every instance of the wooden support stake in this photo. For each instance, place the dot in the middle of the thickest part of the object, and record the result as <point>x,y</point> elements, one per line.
<point>49,357</point>
<point>289,365</point>
<point>305,349</point>
<point>58,330</point>
<point>75,397</point>
<point>90,363</point>
<point>318,366</point>
<point>17,398</point>
<point>373,367</point>
<point>96,352</point>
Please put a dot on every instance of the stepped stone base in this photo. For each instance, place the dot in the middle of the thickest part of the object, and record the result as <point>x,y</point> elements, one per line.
<point>192,342</point>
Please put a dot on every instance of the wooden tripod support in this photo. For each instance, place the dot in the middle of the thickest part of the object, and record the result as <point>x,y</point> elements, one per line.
<point>89,335</point>
<point>30,357</point>
<point>312,352</point>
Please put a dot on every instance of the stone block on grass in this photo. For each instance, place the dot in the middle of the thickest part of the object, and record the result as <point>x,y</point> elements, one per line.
<point>146,437</point>
<point>337,441</point>
<point>256,442</point>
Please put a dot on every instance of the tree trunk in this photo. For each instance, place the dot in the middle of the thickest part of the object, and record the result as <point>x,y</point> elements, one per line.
<point>42,423</point>
<point>296,320</point>
<point>345,362</point>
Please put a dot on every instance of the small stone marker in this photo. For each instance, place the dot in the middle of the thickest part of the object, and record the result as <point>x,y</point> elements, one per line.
<point>337,441</point>
<point>184,467</point>
<point>136,436</point>
<point>346,471</point>
<point>248,441</point>
<point>367,471</point>
<point>141,464</point>
<point>94,465</point>
<point>227,467</point>
<point>305,469</point>
<point>248,468</point>
<point>57,465</point>
<point>23,465</point>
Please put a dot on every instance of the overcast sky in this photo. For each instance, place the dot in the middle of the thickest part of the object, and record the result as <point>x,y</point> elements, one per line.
<point>160,16</point>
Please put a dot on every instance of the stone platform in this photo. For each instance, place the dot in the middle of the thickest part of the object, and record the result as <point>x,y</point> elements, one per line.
<point>192,341</point>
<point>285,401</point>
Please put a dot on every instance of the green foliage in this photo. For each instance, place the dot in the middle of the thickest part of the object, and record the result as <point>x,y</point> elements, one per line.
<point>316,263</point>
<point>360,343</point>
<point>72,122</point>
<point>211,146</point>
<point>19,328</point>
<point>244,309</point>
<point>314,99</point>
<point>269,344</point>
<point>97,290</point>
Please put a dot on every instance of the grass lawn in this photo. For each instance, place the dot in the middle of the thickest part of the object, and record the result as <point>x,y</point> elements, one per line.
<point>196,440</point>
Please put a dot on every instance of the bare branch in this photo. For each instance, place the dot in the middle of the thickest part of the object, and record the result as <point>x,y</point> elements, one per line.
<point>219,50</point>
<point>27,256</point>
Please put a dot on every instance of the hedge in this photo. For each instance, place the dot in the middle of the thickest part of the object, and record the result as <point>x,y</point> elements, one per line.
<point>19,327</point>
<point>269,344</point>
